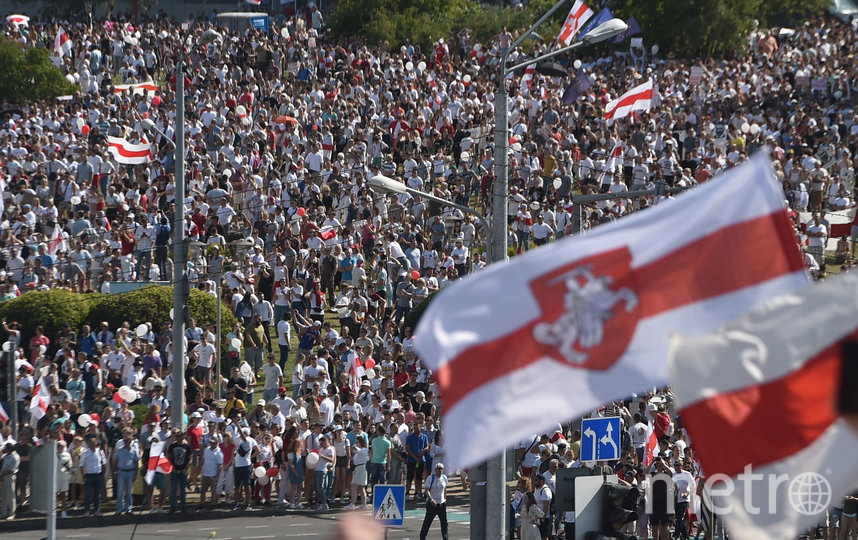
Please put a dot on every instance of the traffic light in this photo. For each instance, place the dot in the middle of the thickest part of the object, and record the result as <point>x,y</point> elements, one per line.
<point>619,504</point>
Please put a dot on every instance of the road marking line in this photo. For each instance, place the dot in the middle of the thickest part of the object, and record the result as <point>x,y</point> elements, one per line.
<point>78,535</point>
<point>168,530</point>
<point>256,527</point>
<point>256,537</point>
<point>300,524</point>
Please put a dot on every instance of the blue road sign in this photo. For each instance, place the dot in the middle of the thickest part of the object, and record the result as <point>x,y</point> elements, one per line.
<point>600,439</point>
<point>260,23</point>
<point>388,505</point>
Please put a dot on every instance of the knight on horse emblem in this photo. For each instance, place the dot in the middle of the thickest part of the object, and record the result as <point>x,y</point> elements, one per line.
<point>589,302</point>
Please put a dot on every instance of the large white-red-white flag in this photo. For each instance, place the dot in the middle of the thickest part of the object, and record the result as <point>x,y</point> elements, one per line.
<point>63,43</point>
<point>585,320</point>
<point>136,88</point>
<point>638,98</point>
<point>57,241</point>
<point>578,16</point>
<point>768,401</point>
<point>129,153</point>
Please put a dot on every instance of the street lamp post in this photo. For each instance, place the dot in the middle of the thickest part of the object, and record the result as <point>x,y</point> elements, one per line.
<point>496,492</point>
<point>180,263</point>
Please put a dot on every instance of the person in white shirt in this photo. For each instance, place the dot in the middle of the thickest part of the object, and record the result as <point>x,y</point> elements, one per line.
<point>435,488</point>
<point>212,465</point>
<point>685,485</point>
<point>273,378</point>
<point>326,408</point>
<point>92,463</point>
<point>638,436</point>
<point>144,238</point>
<point>205,352</point>
<point>323,474</point>
<point>246,449</point>
<point>284,336</point>
<point>541,231</point>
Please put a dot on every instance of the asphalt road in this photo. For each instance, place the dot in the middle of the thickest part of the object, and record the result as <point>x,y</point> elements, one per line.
<point>246,527</point>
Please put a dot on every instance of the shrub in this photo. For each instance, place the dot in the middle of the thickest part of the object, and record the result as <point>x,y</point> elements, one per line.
<point>416,313</point>
<point>28,74</point>
<point>149,304</point>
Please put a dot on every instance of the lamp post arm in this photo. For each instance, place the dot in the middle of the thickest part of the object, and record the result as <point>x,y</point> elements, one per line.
<point>428,196</point>
<point>546,56</point>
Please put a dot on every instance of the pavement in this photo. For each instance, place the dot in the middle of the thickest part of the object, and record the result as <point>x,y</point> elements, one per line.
<point>261,522</point>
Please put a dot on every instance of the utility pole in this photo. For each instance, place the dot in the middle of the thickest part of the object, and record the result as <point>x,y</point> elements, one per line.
<point>180,253</point>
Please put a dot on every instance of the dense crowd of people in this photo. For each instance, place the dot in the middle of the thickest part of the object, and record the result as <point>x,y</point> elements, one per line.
<point>283,130</point>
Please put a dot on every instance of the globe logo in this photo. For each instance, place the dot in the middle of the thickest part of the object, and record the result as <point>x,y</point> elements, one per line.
<point>809,493</point>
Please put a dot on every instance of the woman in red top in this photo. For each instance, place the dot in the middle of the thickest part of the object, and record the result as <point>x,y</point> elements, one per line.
<point>39,339</point>
<point>226,482</point>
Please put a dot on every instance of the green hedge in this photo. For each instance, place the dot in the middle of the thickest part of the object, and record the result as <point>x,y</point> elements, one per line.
<point>416,313</point>
<point>149,304</point>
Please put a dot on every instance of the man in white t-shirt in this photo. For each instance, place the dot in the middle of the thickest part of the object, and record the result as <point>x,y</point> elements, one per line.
<point>283,401</point>
<point>273,378</point>
<point>205,352</point>
<point>542,494</point>
<point>245,449</point>
<point>284,335</point>
<point>435,488</point>
<point>638,436</point>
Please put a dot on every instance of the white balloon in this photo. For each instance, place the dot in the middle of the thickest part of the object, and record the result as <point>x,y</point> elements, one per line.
<point>477,46</point>
<point>241,111</point>
<point>745,127</point>
<point>75,200</point>
<point>171,314</point>
<point>409,66</point>
<point>576,64</point>
<point>755,129</point>
<point>284,33</point>
<point>312,459</point>
<point>79,123</point>
<point>84,420</point>
<point>466,78</point>
<point>557,183</point>
<point>421,66</point>
<point>236,343</point>
<point>654,49</point>
<point>370,373</point>
<point>259,472</point>
<point>127,394</point>
<point>142,330</point>
<point>7,346</point>
<point>263,480</point>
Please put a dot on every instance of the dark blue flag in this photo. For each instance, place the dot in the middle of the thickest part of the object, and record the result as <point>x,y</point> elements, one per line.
<point>576,88</point>
<point>603,16</point>
<point>633,30</point>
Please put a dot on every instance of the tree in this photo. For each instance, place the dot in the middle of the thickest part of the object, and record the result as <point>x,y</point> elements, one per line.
<point>710,27</point>
<point>29,75</point>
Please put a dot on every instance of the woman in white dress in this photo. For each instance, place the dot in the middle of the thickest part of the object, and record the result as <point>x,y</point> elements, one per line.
<point>360,456</point>
<point>530,516</point>
<point>64,473</point>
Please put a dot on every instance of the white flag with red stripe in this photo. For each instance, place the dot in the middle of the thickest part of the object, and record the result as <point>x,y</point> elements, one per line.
<point>578,15</point>
<point>62,43</point>
<point>57,241</point>
<point>18,20</point>
<point>4,416</point>
<point>254,2</point>
<point>583,321</point>
<point>769,401</point>
<point>651,444</point>
<point>137,89</point>
<point>638,98</point>
<point>356,373</point>
<point>129,153</point>
<point>614,161</point>
<point>157,462</point>
<point>40,401</point>
<point>527,78</point>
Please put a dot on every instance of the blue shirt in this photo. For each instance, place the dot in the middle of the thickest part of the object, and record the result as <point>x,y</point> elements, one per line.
<point>127,458</point>
<point>345,263</point>
<point>416,443</point>
<point>308,339</point>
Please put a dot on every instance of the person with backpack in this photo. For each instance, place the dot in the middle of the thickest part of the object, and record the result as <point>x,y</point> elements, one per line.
<point>436,501</point>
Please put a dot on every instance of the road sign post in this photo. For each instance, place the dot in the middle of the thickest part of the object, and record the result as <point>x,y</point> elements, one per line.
<point>600,439</point>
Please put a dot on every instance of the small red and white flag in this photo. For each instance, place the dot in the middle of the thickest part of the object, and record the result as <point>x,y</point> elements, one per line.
<point>254,2</point>
<point>778,385</point>
<point>137,89</point>
<point>57,241</point>
<point>157,462</point>
<point>40,401</point>
<point>614,161</point>
<point>356,373</point>
<point>527,78</point>
<point>578,16</point>
<point>18,20</point>
<point>638,98</point>
<point>63,43</point>
<point>4,416</point>
<point>327,233</point>
<point>129,153</point>
<point>585,320</point>
<point>651,444</point>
